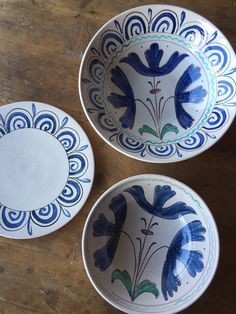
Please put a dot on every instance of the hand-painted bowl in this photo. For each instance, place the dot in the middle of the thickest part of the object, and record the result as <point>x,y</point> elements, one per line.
<point>150,245</point>
<point>158,84</point>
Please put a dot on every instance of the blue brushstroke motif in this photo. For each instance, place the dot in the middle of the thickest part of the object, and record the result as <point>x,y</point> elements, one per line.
<point>127,100</point>
<point>102,227</point>
<point>161,195</point>
<point>184,95</point>
<point>192,260</point>
<point>153,56</point>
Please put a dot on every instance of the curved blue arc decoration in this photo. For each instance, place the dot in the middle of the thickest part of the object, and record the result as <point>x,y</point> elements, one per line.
<point>166,22</point>
<point>47,215</point>
<point>13,220</point>
<point>166,19</point>
<point>18,119</point>
<point>47,121</point>
<point>68,138</point>
<point>78,164</point>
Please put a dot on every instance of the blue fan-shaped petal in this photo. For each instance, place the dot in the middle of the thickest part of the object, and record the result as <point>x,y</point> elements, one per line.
<point>190,75</point>
<point>161,195</point>
<point>118,206</point>
<point>120,80</point>
<point>172,63</point>
<point>169,281</point>
<point>191,232</point>
<point>153,56</point>
<point>138,194</point>
<point>135,62</point>
<point>127,100</point>
<point>175,211</point>
<point>192,260</point>
<point>103,257</point>
<point>102,227</point>
<point>196,95</point>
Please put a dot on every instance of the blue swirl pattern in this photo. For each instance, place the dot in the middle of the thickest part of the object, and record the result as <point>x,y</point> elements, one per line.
<point>149,21</point>
<point>71,193</point>
<point>78,164</point>
<point>47,121</point>
<point>18,119</point>
<point>217,119</point>
<point>13,220</point>
<point>165,22</point>
<point>68,138</point>
<point>194,33</point>
<point>47,215</point>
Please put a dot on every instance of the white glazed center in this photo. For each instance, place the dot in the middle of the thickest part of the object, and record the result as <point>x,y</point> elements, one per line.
<point>34,169</point>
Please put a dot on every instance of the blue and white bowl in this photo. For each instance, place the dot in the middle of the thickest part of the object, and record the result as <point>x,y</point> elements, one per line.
<point>150,245</point>
<point>158,84</point>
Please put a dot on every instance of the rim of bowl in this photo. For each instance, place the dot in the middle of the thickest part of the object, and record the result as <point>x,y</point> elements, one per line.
<point>113,188</point>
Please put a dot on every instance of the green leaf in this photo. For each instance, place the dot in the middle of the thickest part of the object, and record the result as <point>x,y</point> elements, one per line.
<point>147,129</point>
<point>145,286</point>
<point>169,128</point>
<point>124,277</point>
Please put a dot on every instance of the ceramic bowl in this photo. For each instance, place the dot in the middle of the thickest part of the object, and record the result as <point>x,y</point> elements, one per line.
<point>157,83</point>
<point>150,245</point>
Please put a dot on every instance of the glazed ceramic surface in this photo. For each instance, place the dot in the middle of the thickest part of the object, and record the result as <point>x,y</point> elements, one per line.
<point>150,245</point>
<point>46,171</point>
<point>158,83</point>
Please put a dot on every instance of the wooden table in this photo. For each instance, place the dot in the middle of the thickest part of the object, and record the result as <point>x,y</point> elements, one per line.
<point>41,45</point>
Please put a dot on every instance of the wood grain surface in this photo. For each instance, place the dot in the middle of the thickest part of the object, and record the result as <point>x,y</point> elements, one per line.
<point>41,45</point>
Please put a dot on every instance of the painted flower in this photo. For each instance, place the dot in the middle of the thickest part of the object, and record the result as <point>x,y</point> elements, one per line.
<point>184,95</point>
<point>153,56</point>
<point>161,195</point>
<point>102,227</point>
<point>127,100</point>
<point>192,260</point>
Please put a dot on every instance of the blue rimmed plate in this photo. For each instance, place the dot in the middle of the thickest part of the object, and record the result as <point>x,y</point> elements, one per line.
<point>47,169</point>
<point>158,83</point>
<point>150,245</point>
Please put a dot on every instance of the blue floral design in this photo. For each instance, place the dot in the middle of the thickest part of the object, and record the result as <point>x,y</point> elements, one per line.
<point>183,95</point>
<point>143,252</point>
<point>102,227</point>
<point>127,100</point>
<point>161,195</point>
<point>192,260</point>
<point>175,27</point>
<point>153,56</point>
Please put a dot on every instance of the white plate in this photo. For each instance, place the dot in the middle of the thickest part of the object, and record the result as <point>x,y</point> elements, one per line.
<point>158,83</point>
<point>150,245</point>
<point>46,172</point>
